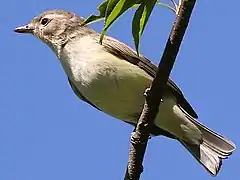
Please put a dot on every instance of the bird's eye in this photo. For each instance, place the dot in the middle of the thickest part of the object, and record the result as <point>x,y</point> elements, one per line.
<point>44,21</point>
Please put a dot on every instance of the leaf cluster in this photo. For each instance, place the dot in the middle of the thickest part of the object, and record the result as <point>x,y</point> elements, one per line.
<point>111,10</point>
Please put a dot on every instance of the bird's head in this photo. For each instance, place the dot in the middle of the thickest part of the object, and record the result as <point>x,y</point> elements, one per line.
<point>55,27</point>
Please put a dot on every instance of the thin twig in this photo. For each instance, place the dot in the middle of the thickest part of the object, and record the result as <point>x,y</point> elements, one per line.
<point>139,137</point>
<point>175,4</point>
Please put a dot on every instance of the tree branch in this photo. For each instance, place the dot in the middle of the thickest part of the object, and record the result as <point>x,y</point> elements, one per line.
<point>139,137</point>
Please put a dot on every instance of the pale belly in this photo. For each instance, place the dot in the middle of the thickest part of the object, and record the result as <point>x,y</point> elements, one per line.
<point>121,96</point>
<point>117,89</point>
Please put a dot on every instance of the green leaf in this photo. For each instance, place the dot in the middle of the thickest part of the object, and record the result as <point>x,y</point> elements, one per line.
<point>121,7</point>
<point>91,19</point>
<point>104,9</point>
<point>135,5</point>
<point>137,26</point>
<point>149,5</point>
<point>110,6</point>
<point>140,20</point>
<point>110,10</point>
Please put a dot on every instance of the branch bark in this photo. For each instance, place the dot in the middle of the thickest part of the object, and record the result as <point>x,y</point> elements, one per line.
<point>139,137</point>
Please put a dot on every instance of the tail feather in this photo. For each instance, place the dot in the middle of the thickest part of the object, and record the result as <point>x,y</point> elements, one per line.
<point>204,155</point>
<point>219,153</point>
<point>212,150</point>
<point>215,140</point>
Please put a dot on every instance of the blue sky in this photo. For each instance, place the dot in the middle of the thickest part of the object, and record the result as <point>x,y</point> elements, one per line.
<point>47,133</point>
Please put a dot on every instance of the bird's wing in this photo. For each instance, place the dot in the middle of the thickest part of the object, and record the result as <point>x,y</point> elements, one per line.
<point>79,94</point>
<point>124,52</point>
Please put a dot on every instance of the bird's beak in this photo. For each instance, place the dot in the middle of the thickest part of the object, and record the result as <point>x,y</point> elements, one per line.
<point>24,29</point>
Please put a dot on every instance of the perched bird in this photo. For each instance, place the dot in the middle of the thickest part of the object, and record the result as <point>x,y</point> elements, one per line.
<point>112,78</point>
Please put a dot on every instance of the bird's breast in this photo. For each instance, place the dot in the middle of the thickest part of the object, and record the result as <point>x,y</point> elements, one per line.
<point>114,85</point>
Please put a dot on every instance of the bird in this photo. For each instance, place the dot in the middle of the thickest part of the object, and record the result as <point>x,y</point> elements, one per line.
<point>111,77</point>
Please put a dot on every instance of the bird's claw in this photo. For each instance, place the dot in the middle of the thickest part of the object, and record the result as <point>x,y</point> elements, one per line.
<point>146,92</point>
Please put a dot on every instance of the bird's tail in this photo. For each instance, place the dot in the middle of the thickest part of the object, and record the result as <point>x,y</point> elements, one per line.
<point>213,149</point>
